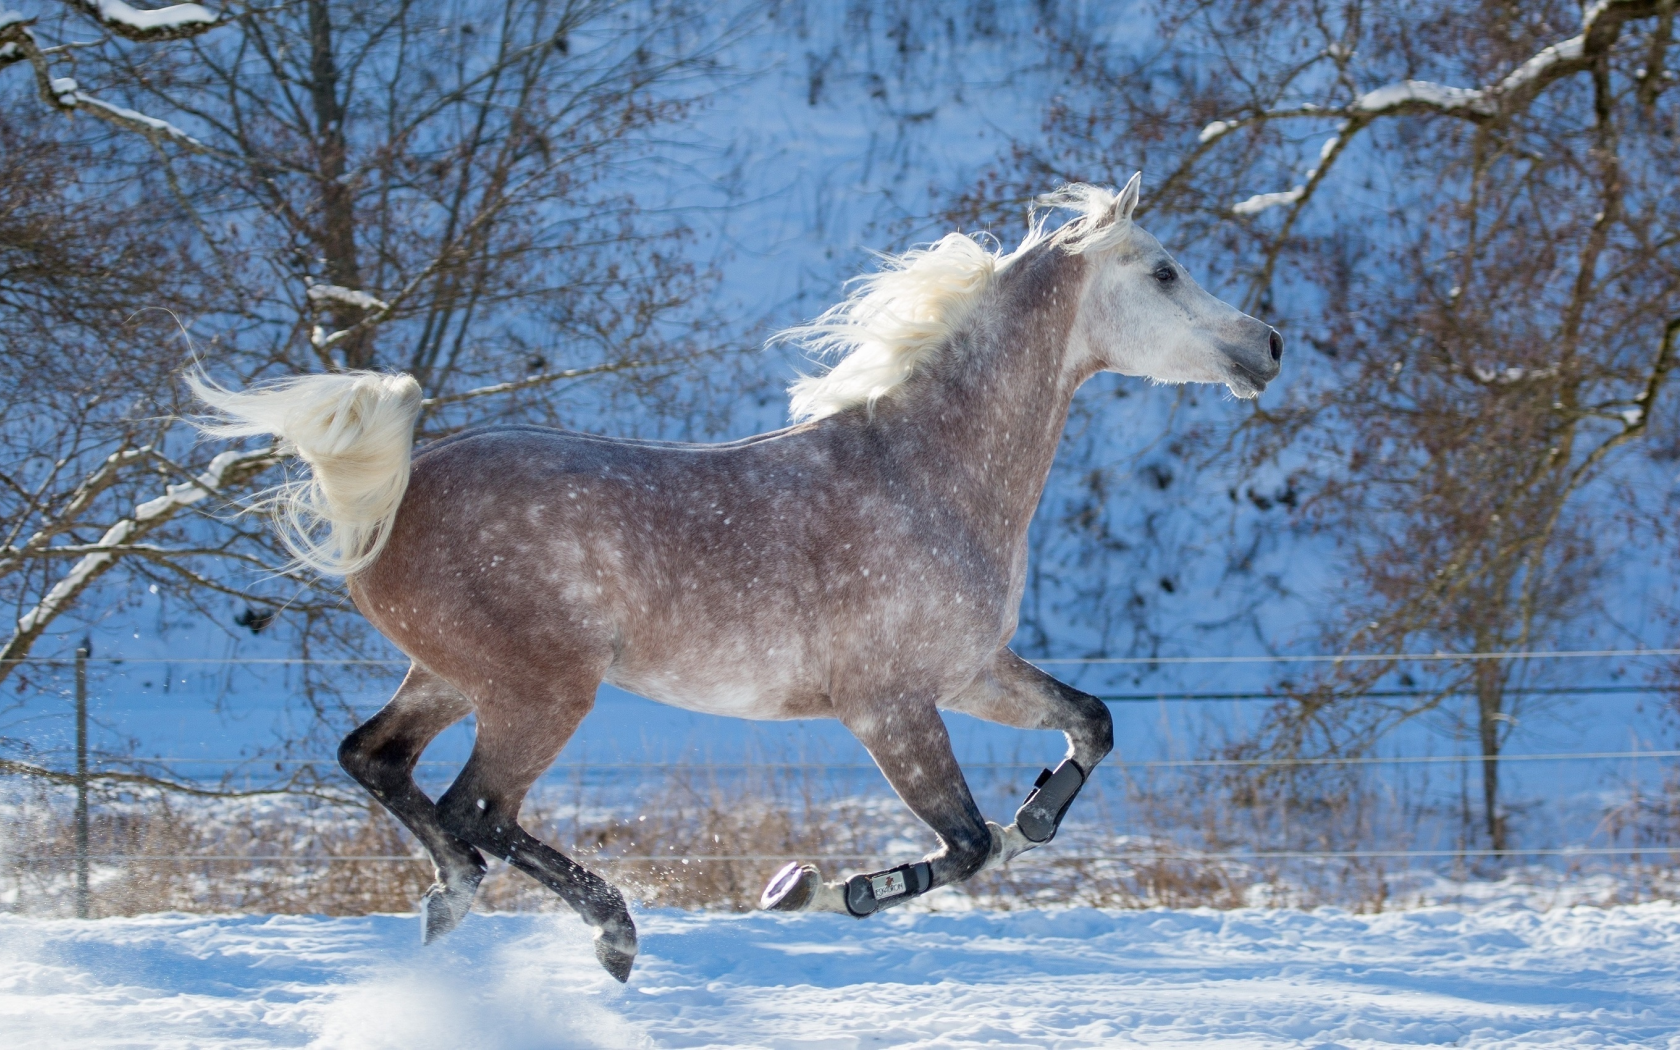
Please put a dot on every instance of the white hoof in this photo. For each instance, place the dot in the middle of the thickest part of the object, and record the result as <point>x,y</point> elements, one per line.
<point>800,887</point>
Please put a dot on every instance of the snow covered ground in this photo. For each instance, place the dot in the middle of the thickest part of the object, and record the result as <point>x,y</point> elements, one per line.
<point>1488,976</point>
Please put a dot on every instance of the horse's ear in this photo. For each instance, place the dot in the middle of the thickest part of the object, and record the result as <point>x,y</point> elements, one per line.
<point>1126,202</point>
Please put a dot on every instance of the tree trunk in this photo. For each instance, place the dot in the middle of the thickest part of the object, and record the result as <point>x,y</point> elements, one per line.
<point>1490,712</point>
<point>337,217</point>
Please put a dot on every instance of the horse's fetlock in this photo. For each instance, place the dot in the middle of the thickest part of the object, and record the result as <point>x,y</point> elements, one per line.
<point>968,853</point>
<point>620,932</point>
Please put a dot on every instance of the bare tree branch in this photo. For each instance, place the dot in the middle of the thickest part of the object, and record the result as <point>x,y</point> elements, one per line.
<point>225,470</point>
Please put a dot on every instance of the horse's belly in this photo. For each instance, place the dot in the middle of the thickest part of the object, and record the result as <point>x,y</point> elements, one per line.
<point>740,697</point>
<point>718,679</point>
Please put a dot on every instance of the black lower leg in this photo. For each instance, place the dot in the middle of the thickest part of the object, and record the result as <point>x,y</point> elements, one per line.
<point>491,826</point>
<point>381,757</point>
<point>386,770</point>
<point>914,752</point>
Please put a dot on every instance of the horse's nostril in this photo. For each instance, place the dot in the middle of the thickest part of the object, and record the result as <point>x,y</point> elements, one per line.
<point>1277,346</point>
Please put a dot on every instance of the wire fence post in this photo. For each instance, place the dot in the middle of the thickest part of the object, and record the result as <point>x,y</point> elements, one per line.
<point>82,653</point>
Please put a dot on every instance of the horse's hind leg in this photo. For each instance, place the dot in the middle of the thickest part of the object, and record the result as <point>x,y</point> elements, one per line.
<point>519,735</point>
<point>908,741</point>
<point>381,754</point>
<point>1013,692</point>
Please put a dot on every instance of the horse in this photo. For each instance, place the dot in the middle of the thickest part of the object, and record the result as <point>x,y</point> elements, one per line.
<point>866,563</point>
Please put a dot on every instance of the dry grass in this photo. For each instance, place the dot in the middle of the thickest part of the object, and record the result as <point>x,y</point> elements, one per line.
<point>696,838</point>
<point>320,858</point>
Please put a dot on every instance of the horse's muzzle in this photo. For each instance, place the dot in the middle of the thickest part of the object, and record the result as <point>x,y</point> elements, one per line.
<point>1251,368</point>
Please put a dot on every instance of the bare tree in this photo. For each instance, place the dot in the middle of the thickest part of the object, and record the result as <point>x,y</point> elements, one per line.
<point>447,190</point>
<point>1463,218</point>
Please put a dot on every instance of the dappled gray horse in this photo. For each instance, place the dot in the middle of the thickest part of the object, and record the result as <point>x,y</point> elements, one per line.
<point>865,564</point>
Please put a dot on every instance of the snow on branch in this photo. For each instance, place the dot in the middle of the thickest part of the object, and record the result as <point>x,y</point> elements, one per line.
<point>325,294</point>
<point>10,52</point>
<point>1415,94</point>
<point>1261,201</point>
<point>177,22</point>
<point>1508,376</point>
<point>1546,66</point>
<point>227,468</point>
<point>68,96</point>
<point>1537,68</point>
<point>374,311</point>
<point>1600,26</point>
<point>531,381</point>
<point>321,296</point>
<point>17,43</point>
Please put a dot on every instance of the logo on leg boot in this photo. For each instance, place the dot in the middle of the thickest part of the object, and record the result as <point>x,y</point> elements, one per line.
<point>887,884</point>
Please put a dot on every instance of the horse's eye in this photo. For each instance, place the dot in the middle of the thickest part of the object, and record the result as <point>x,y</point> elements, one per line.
<point>1165,274</point>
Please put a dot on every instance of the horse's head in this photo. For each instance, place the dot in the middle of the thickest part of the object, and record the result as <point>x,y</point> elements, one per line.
<point>1142,314</point>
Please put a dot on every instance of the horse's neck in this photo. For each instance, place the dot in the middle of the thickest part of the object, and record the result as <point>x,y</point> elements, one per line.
<point>988,425</point>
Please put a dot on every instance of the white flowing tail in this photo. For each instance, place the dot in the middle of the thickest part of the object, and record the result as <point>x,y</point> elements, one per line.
<point>355,430</point>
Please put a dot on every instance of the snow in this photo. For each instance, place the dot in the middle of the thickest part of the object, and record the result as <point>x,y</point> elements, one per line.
<point>175,497</point>
<point>1507,376</point>
<point>1216,129</point>
<point>1563,51</point>
<point>1486,976</point>
<point>332,293</point>
<point>1261,201</point>
<point>163,127</point>
<point>69,94</point>
<point>177,16</point>
<point>1392,96</point>
<point>1441,96</point>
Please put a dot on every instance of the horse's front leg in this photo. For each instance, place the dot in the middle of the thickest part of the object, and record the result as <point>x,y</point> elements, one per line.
<point>907,739</point>
<point>1013,692</point>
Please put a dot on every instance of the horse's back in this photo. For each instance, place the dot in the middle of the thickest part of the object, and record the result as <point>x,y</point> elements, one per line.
<point>558,542</point>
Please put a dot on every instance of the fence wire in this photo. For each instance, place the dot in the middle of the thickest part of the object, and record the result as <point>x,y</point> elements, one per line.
<point>1251,856</point>
<point>1116,767</point>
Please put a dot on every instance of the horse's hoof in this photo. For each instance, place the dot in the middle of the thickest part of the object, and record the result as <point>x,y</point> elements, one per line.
<point>790,889</point>
<point>616,944</point>
<point>444,906</point>
<point>614,961</point>
<point>800,887</point>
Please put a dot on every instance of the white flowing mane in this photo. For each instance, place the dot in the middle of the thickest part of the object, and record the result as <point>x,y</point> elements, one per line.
<point>895,320</point>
